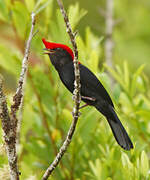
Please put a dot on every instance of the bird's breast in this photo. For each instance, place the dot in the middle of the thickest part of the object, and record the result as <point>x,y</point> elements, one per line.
<point>66,75</point>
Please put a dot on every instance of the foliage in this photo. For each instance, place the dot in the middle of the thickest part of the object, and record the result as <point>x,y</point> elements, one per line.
<point>93,153</point>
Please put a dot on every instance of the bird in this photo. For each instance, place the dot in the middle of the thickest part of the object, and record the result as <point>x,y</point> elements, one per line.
<point>92,91</point>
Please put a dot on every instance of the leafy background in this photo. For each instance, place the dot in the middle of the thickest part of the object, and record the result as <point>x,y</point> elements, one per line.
<point>46,113</point>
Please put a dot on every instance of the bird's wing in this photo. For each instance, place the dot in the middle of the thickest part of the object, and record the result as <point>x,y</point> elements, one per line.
<point>90,84</point>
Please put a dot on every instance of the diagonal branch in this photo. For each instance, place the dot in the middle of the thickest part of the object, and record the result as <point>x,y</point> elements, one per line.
<point>9,121</point>
<point>18,95</point>
<point>76,96</point>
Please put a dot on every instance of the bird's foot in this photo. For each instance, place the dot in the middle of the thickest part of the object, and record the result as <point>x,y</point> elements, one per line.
<point>83,106</point>
<point>88,98</point>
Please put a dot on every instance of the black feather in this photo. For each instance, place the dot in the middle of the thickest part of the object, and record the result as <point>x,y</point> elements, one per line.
<point>91,87</point>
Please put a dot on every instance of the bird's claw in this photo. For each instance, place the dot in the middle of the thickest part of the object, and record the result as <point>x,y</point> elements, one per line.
<point>88,98</point>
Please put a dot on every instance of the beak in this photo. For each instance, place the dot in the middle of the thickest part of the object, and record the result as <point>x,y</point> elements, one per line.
<point>48,51</point>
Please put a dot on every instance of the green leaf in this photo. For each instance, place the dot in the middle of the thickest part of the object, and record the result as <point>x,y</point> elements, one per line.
<point>86,125</point>
<point>9,60</point>
<point>146,100</point>
<point>104,79</point>
<point>82,49</point>
<point>66,114</point>
<point>93,61</point>
<point>30,5</point>
<point>4,13</point>
<point>128,166</point>
<point>134,79</point>
<point>125,160</point>
<point>96,168</point>
<point>58,32</point>
<point>144,113</point>
<point>140,84</point>
<point>144,164</point>
<point>126,103</point>
<point>41,5</point>
<point>119,70</point>
<point>116,92</point>
<point>20,18</point>
<point>92,41</point>
<point>126,75</point>
<point>116,76</point>
<point>75,15</point>
<point>109,178</point>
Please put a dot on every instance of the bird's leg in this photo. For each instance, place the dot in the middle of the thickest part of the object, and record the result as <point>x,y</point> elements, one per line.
<point>87,98</point>
<point>83,106</point>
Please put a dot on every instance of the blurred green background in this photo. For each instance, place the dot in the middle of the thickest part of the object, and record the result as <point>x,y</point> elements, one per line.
<point>47,106</point>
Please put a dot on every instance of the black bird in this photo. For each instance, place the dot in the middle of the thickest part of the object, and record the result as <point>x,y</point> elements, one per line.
<point>92,91</point>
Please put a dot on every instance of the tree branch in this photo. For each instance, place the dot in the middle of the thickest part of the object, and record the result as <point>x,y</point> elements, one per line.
<point>18,95</point>
<point>9,121</point>
<point>109,31</point>
<point>76,96</point>
<point>8,135</point>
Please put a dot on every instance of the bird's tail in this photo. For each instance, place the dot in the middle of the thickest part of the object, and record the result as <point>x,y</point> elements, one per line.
<point>118,130</point>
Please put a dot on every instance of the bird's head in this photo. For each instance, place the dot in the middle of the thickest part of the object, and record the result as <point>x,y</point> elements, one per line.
<point>59,54</point>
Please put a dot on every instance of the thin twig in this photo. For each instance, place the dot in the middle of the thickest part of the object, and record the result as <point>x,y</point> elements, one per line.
<point>76,97</point>
<point>109,43</point>
<point>18,95</point>
<point>9,121</point>
<point>109,31</point>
